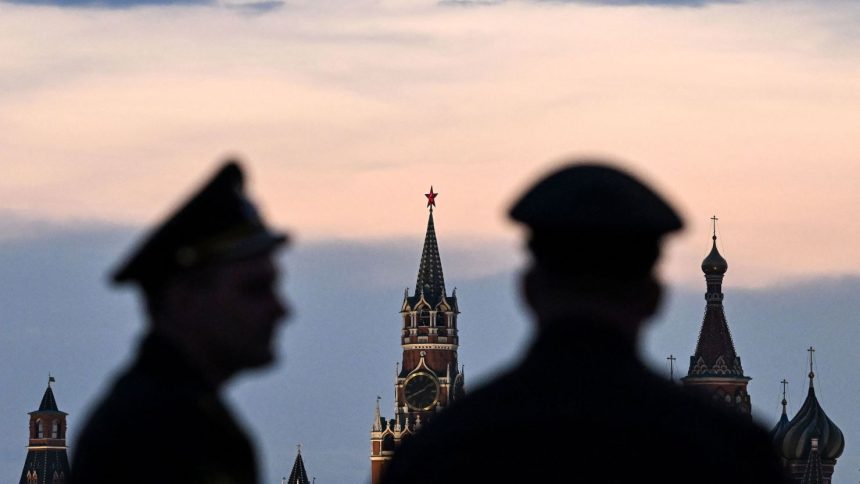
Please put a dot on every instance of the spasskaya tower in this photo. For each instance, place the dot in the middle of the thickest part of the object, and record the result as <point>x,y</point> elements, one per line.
<point>428,378</point>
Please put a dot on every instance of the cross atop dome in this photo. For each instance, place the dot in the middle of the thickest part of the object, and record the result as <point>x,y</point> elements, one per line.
<point>714,263</point>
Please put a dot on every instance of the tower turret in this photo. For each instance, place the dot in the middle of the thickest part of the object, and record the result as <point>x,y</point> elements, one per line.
<point>715,368</point>
<point>47,461</point>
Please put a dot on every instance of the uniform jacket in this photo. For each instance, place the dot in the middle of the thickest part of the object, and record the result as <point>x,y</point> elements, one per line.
<point>162,423</point>
<point>582,408</point>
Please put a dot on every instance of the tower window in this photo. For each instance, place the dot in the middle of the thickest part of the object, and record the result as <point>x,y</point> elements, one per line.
<point>424,318</point>
<point>388,443</point>
<point>55,429</point>
<point>40,430</point>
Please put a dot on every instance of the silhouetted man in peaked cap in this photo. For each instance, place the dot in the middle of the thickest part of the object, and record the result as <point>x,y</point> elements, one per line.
<point>209,283</point>
<point>580,406</point>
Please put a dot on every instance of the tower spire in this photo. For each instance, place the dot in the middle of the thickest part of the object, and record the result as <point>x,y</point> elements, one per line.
<point>715,366</point>
<point>49,403</point>
<point>715,346</point>
<point>377,419</point>
<point>431,281</point>
<point>298,475</point>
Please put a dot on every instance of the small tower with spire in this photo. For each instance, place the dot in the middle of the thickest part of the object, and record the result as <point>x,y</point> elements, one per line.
<point>298,475</point>
<point>810,443</point>
<point>47,461</point>
<point>429,377</point>
<point>715,368</point>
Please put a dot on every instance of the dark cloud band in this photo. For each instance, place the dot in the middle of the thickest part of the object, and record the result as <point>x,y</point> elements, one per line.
<point>260,6</point>
<point>612,3</point>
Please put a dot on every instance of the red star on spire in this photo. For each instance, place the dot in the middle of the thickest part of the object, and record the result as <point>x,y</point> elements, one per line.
<point>431,197</point>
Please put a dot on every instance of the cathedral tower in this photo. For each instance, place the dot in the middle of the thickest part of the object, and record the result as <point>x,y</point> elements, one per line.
<point>47,462</point>
<point>715,368</point>
<point>428,378</point>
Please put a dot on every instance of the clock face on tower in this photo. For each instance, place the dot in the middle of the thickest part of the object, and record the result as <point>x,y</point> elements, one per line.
<point>421,390</point>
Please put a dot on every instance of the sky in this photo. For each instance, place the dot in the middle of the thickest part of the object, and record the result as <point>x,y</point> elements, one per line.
<point>345,112</point>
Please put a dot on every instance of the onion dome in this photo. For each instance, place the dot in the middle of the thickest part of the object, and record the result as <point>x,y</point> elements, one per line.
<point>778,430</point>
<point>811,423</point>
<point>714,262</point>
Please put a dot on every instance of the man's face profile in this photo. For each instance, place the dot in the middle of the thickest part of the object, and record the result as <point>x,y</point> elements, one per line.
<point>240,308</point>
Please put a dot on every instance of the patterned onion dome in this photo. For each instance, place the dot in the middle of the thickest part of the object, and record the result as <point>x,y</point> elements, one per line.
<point>778,431</point>
<point>714,262</point>
<point>809,423</point>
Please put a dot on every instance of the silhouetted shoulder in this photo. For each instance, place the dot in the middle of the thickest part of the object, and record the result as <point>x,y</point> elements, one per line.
<point>159,411</point>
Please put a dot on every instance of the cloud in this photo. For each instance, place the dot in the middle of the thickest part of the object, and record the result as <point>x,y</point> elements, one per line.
<point>252,6</point>
<point>614,3</point>
<point>110,3</point>
<point>469,3</point>
<point>667,3</point>
<point>678,3</point>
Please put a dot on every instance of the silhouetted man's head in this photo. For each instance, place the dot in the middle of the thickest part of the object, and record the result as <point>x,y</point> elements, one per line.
<point>209,279</point>
<point>595,237</point>
<point>227,311</point>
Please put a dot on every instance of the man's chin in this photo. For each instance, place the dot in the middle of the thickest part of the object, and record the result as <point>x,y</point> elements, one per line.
<point>248,359</point>
<point>261,359</point>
